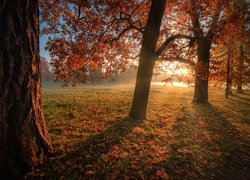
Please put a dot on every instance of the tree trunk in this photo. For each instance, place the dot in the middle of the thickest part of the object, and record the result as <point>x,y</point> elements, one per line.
<point>202,70</point>
<point>240,70</point>
<point>24,139</point>
<point>229,80</point>
<point>147,60</point>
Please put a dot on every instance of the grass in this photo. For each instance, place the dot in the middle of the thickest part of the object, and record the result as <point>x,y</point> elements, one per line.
<point>93,138</point>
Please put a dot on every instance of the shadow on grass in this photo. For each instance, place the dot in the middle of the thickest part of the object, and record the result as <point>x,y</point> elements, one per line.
<point>233,162</point>
<point>105,140</point>
<point>224,155</point>
<point>245,96</point>
<point>87,153</point>
<point>180,164</point>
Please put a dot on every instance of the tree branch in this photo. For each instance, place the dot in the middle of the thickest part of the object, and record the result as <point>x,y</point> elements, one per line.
<point>79,8</point>
<point>135,57</point>
<point>119,36</point>
<point>131,26</point>
<point>126,17</point>
<point>214,24</point>
<point>168,40</point>
<point>137,7</point>
<point>178,59</point>
<point>178,22</point>
<point>194,15</point>
<point>50,6</point>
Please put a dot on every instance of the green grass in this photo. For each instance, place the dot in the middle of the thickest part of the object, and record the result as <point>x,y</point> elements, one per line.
<point>93,138</point>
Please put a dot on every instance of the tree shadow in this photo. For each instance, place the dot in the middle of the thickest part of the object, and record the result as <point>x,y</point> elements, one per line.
<point>181,160</point>
<point>245,96</point>
<point>240,102</point>
<point>223,155</point>
<point>233,149</point>
<point>87,152</point>
<point>111,136</point>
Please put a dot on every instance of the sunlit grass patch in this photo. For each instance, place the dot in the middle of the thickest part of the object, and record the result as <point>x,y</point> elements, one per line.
<point>93,138</point>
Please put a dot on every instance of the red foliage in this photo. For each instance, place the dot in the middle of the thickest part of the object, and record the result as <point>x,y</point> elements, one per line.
<point>108,33</point>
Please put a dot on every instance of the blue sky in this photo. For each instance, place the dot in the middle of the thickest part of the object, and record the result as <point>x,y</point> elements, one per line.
<point>43,40</point>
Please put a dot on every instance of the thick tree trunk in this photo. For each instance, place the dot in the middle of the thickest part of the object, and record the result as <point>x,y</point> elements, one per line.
<point>147,60</point>
<point>24,139</point>
<point>202,71</point>
<point>240,71</point>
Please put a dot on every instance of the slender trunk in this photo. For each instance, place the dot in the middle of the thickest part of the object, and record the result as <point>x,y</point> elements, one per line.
<point>202,70</point>
<point>229,80</point>
<point>147,60</point>
<point>240,70</point>
<point>24,139</point>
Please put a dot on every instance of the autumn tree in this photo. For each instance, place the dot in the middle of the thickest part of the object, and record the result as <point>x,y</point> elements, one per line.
<point>24,139</point>
<point>205,19</point>
<point>111,34</point>
<point>46,71</point>
<point>96,76</point>
<point>228,62</point>
<point>161,33</point>
<point>243,71</point>
<point>243,66</point>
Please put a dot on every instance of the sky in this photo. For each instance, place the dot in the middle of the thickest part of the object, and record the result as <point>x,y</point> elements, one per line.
<point>43,40</point>
<point>43,52</point>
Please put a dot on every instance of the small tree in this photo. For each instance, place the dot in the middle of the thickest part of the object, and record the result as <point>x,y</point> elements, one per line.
<point>46,71</point>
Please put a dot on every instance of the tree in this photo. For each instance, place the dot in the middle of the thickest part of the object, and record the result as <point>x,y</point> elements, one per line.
<point>24,139</point>
<point>206,20</point>
<point>147,60</point>
<point>242,69</point>
<point>228,63</point>
<point>46,72</point>
<point>96,76</point>
<point>123,26</point>
<point>134,24</point>
<point>229,69</point>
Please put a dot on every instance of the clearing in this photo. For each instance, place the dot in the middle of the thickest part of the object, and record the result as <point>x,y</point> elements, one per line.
<point>93,138</point>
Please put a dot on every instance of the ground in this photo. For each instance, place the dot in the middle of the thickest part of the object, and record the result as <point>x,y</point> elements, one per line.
<point>93,138</point>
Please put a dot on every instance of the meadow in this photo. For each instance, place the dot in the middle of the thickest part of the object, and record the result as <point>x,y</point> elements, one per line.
<point>93,138</point>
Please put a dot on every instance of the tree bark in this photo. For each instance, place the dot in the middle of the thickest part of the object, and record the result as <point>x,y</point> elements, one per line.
<point>202,70</point>
<point>147,60</point>
<point>24,139</point>
<point>240,70</point>
<point>229,80</point>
